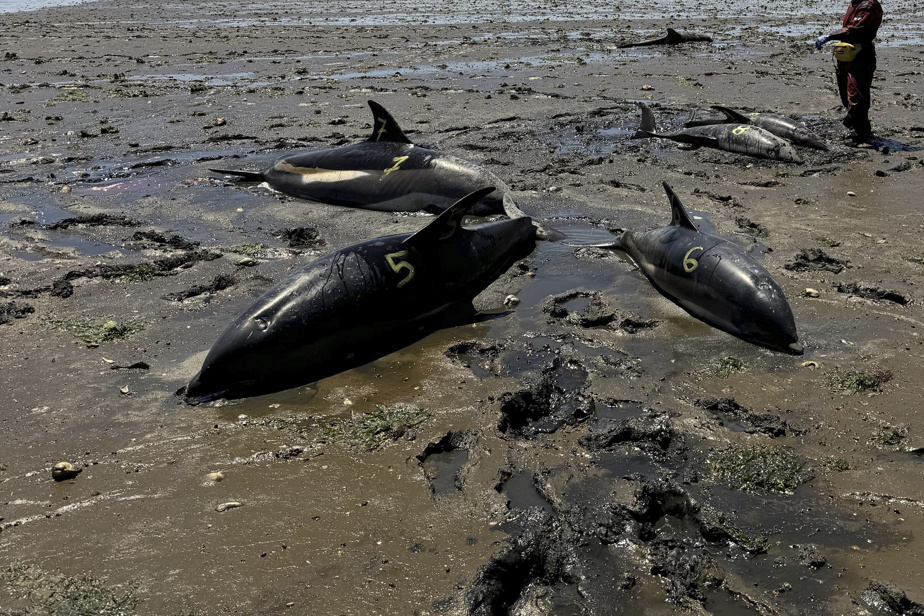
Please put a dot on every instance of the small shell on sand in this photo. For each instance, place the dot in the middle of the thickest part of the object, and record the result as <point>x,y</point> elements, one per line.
<point>62,471</point>
<point>229,505</point>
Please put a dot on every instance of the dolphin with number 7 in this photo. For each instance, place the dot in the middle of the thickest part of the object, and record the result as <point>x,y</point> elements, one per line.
<point>386,172</point>
<point>362,302</point>
<point>713,279</point>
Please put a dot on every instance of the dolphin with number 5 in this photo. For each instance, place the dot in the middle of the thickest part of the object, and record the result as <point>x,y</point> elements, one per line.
<point>740,138</point>
<point>385,172</point>
<point>362,302</point>
<point>713,280</point>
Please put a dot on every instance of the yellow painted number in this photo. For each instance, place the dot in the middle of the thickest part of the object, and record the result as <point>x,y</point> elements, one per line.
<point>690,264</point>
<point>381,132</point>
<point>397,160</point>
<point>741,130</point>
<point>398,265</point>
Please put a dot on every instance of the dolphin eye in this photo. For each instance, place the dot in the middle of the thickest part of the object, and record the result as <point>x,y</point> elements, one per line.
<point>261,323</point>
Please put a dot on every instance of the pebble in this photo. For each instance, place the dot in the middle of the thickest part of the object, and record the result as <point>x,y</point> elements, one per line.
<point>809,292</point>
<point>62,471</point>
<point>216,477</point>
<point>229,505</point>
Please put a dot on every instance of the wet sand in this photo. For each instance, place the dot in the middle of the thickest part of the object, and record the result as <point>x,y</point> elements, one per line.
<point>617,497</point>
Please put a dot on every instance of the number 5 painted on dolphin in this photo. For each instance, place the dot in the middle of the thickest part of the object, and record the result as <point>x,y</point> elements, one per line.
<point>690,264</point>
<point>397,266</point>
<point>397,160</point>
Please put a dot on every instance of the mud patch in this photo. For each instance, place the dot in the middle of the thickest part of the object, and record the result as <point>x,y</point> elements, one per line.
<point>483,359</point>
<point>301,237</point>
<point>14,310</point>
<point>369,431</point>
<point>868,291</point>
<point>40,593</point>
<point>558,398</point>
<point>219,283</point>
<point>738,418</point>
<point>148,239</point>
<point>849,382</point>
<point>591,309</point>
<point>814,260</point>
<point>94,220</point>
<point>886,596</point>
<point>93,331</point>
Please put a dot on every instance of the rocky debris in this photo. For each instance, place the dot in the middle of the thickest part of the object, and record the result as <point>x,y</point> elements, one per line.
<point>763,423</point>
<point>301,237</point>
<point>14,310</point>
<point>810,557</point>
<point>815,259</point>
<point>476,354</point>
<point>869,291</point>
<point>62,288</point>
<point>888,596</point>
<point>157,267</point>
<point>95,220</point>
<point>558,398</point>
<point>219,283</point>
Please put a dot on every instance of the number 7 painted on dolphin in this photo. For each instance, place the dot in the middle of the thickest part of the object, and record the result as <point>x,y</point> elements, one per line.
<point>397,160</point>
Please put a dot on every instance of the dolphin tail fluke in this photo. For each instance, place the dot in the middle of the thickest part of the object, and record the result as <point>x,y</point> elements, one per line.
<point>679,216</point>
<point>647,127</point>
<point>247,176</point>
<point>732,115</point>
<point>543,231</point>
<point>384,127</point>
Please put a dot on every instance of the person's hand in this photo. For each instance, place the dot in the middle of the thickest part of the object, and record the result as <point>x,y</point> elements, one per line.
<point>821,40</point>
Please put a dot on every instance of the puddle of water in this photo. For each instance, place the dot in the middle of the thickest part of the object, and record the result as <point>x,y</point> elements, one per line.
<point>44,215</point>
<point>443,469</point>
<point>522,493</point>
<point>619,409</point>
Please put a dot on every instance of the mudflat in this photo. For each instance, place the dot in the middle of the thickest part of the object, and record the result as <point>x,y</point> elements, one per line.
<point>590,449</point>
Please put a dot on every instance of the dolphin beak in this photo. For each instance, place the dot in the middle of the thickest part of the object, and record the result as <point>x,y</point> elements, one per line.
<point>796,348</point>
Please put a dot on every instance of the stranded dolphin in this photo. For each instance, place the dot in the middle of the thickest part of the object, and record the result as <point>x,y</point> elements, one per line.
<point>714,280</point>
<point>673,38</point>
<point>779,125</point>
<point>740,138</point>
<point>386,172</point>
<point>360,303</point>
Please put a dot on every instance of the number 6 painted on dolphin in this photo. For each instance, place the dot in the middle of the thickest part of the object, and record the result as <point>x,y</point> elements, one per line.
<point>690,264</point>
<point>397,266</point>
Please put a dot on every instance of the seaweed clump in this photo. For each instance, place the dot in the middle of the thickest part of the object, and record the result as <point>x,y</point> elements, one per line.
<point>93,332</point>
<point>855,381</point>
<point>369,431</point>
<point>759,468</point>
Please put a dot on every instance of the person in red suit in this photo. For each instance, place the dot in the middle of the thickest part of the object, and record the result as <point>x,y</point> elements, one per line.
<point>855,78</point>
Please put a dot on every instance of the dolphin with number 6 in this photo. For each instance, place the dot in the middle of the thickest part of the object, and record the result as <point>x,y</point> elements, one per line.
<point>385,172</point>
<point>362,302</point>
<point>713,279</point>
<point>740,138</point>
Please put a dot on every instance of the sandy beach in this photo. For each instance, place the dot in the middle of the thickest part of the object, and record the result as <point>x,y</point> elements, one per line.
<point>592,450</point>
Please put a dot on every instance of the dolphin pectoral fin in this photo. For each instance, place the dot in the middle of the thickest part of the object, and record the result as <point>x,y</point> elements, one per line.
<point>449,223</point>
<point>384,127</point>
<point>679,216</point>
<point>247,176</point>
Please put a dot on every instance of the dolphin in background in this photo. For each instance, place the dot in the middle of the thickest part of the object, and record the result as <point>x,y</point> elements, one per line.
<point>362,302</point>
<point>672,38</point>
<point>739,138</point>
<point>385,172</point>
<point>779,125</point>
<point>713,280</point>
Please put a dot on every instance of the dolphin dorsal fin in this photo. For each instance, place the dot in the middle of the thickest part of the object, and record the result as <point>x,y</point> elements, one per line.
<point>384,127</point>
<point>672,32</point>
<point>449,222</point>
<point>679,216</point>
<point>731,114</point>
